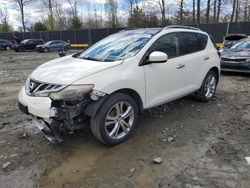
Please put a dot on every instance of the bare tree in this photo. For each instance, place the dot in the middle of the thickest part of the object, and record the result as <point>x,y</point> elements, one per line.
<point>218,11</point>
<point>50,4</point>
<point>73,7</point>
<point>60,16</point>
<point>215,8</point>
<point>21,5</point>
<point>246,10</point>
<point>233,10</point>
<point>198,11</point>
<point>163,11</point>
<point>4,17</point>
<point>131,4</point>
<point>111,9</point>
<point>193,11</point>
<point>208,11</point>
<point>237,10</point>
<point>181,11</point>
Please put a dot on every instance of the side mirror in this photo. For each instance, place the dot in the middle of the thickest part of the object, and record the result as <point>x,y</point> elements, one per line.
<point>158,57</point>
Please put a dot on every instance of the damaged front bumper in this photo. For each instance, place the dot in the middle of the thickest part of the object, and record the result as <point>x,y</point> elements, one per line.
<point>70,115</point>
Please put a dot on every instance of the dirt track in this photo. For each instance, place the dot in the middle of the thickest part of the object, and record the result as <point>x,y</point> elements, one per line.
<point>209,150</point>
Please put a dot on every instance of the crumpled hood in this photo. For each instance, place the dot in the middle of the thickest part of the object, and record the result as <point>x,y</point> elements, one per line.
<point>66,70</point>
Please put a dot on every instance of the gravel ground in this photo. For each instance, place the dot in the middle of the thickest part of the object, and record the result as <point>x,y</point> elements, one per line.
<point>199,144</point>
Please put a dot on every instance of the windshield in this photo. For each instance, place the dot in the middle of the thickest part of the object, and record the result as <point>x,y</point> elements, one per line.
<point>241,45</point>
<point>48,43</point>
<point>116,47</point>
<point>26,40</point>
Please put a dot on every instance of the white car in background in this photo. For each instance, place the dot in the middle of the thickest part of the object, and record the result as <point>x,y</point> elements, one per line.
<point>117,78</point>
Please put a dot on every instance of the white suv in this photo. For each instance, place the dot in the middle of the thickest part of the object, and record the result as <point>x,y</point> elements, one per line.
<point>117,78</point>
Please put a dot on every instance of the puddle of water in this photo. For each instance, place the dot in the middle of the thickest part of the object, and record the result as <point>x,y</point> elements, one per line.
<point>74,168</point>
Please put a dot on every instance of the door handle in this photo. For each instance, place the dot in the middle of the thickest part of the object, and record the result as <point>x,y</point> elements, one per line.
<point>206,58</point>
<point>180,66</point>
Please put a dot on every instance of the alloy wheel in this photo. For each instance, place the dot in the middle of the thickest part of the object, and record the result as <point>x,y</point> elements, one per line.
<point>119,120</point>
<point>210,86</point>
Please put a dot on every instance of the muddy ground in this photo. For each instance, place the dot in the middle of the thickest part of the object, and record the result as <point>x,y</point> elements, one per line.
<point>211,141</point>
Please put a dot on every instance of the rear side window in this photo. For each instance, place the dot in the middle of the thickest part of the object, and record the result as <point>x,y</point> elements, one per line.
<point>203,40</point>
<point>192,42</point>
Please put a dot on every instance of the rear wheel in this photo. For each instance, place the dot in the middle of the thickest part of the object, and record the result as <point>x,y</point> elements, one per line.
<point>115,120</point>
<point>208,87</point>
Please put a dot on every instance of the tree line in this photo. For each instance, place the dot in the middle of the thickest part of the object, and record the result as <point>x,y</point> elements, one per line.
<point>126,13</point>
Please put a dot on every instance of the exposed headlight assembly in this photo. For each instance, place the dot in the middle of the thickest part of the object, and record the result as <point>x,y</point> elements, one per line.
<point>72,92</point>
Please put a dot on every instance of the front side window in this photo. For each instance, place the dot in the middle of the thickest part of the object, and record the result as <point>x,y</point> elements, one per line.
<point>168,44</point>
<point>116,47</point>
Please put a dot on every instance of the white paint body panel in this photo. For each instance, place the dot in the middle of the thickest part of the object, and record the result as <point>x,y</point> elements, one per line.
<point>155,83</point>
<point>67,69</point>
<point>37,106</point>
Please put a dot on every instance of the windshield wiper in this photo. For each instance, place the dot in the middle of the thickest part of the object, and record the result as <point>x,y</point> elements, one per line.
<point>89,58</point>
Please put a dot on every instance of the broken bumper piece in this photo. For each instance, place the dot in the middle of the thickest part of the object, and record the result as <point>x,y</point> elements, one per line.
<point>49,133</point>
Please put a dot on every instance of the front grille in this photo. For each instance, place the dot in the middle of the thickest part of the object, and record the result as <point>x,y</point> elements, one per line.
<point>34,88</point>
<point>235,60</point>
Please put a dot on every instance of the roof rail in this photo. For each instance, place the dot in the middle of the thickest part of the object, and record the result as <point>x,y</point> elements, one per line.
<point>128,28</point>
<point>180,27</point>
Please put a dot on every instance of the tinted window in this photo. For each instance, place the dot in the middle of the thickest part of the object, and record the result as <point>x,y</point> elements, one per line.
<point>191,43</point>
<point>203,40</point>
<point>168,44</point>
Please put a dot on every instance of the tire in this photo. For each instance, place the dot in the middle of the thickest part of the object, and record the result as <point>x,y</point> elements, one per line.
<point>108,119</point>
<point>45,50</point>
<point>208,87</point>
<point>65,48</point>
<point>21,49</point>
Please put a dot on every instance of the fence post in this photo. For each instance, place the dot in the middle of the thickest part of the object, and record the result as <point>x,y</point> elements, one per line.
<point>107,31</point>
<point>61,34</point>
<point>75,36</point>
<point>89,37</point>
<point>228,26</point>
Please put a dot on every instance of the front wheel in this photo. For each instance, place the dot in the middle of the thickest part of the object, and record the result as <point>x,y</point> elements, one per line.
<point>208,87</point>
<point>45,50</point>
<point>115,120</point>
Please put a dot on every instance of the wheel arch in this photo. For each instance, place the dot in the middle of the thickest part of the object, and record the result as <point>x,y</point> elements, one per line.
<point>217,71</point>
<point>132,93</point>
<point>93,106</point>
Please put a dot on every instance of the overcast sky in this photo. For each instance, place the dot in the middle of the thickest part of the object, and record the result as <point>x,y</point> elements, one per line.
<point>35,11</point>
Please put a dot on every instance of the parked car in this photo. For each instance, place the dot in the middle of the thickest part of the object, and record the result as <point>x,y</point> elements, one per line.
<point>54,45</point>
<point>27,44</point>
<point>237,58</point>
<point>5,44</point>
<point>230,39</point>
<point>114,80</point>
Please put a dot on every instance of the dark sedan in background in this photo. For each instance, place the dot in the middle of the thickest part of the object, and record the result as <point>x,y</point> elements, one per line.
<point>55,45</point>
<point>27,44</point>
<point>237,58</point>
<point>5,44</point>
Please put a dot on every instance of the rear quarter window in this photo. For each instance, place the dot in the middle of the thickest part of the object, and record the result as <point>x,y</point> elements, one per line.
<point>203,40</point>
<point>192,42</point>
